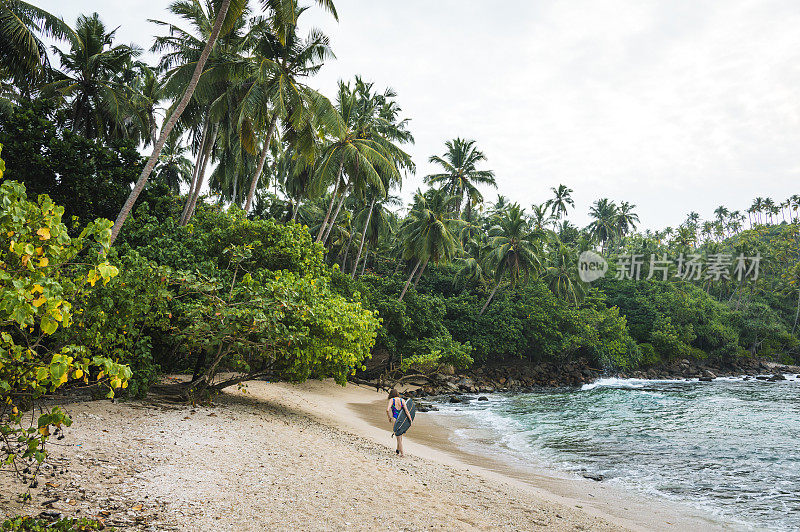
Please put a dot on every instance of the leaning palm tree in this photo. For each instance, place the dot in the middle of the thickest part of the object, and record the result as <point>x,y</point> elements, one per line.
<point>515,249</point>
<point>461,177</point>
<point>222,16</point>
<point>23,55</point>
<point>430,232</point>
<point>210,116</point>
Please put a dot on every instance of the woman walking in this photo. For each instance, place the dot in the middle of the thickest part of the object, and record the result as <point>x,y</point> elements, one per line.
<point>397,404</point>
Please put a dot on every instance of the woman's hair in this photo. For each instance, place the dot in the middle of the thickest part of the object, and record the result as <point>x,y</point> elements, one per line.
<point>394,393</point>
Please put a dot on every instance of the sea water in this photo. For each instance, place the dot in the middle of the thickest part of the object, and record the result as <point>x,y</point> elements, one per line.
<point>730,447</point>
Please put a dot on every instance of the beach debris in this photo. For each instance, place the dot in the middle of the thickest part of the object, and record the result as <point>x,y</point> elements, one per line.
<point>597,477</point>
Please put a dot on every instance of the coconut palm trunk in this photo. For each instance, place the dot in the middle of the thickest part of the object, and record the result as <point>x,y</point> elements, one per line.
<point>346,252</point>
<point>419,276</point>
<point>192,201</point>
<point>198,163</point>
<point>260,168</point>
<point>363,237</point>
<point>335,215</point>
<point>330,205</point>
<point>489,299</point>
<point>408,281</point>
<point>170,124</point>
<point>797,313</point>
<point>364,265</point>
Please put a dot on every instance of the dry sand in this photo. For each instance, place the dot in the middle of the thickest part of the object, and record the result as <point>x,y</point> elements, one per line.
<point>309,457</point>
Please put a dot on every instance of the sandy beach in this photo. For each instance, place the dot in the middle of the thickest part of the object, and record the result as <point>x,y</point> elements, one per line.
<point>315,456</point>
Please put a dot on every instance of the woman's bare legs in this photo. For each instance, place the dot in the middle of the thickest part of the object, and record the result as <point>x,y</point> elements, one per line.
<point>400,445</point>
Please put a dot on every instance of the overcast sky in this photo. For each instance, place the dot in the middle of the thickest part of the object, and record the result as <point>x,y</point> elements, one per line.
<point>671,105</point>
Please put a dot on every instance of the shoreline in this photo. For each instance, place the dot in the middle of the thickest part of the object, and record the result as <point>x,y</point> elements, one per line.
<point>313,456</point>
<point>432,441</point>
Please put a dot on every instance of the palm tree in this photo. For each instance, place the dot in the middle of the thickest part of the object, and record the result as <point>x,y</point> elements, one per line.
<point>173,166</point>
<point>758,207</point>
<point>514,249</point>
<point>460,176</point>
<point>794,205</point>
<point>541,217</point>
<point>562,199</point>
<point>626,219</point>
<point>430,232</point>
<point>605,224</point>
<point>473,266</point>
<point>97,81</point>
<point>222,16</point>
<point>375,220</point>
<point>274,90</point>
<point>561,274</point>
<point>769,208</point>
<point>363,151</point>
<point>23,55</point>
<point>210,116</point>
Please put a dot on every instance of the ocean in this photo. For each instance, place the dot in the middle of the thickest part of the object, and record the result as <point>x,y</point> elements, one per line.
<point>730,447</point>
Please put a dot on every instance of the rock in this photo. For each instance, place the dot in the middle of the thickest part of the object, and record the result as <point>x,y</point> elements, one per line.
<point>448,369</point>
<point>762,377</point>
<point>483,398</point>
<point>777,377</point>
<point>597,477</point>
<point>454,399</point>
<point>705,379</point>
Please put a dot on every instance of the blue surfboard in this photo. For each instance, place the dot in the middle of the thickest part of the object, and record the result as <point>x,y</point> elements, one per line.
<point>402,422</point>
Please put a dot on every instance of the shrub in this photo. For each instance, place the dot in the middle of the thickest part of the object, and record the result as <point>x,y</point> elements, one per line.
<point>43,271</point>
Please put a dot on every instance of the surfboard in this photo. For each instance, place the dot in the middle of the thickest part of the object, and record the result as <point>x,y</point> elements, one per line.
<point>402,422</point>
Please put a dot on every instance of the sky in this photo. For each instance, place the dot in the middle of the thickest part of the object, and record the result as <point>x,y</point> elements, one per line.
<point>674,105</point>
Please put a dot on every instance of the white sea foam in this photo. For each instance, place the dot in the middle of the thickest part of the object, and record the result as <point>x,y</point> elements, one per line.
<point>614,382</point>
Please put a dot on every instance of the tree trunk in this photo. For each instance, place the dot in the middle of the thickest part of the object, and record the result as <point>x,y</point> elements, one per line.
<point>489,299</point>
<point>397,266</point>
<point>366,257</point>
<point>200,177</point>
<point>203,380</point>
<point>363,236</point>
<point>170,124</point>
<point>335,215</point>
<point>419,276</point>
<point>797,313</point>
<point>330,205</point>
<point>296,208</point>
<point>408,282</point>
<point>347,252</point>
<point>260,167</point>
<point>198,163</point>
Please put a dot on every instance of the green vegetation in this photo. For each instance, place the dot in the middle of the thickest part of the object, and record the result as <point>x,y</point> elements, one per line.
<point>286,258</point>
<point>33,524</point>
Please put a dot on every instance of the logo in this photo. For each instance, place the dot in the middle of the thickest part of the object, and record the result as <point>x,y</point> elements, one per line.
<point>591,266</point>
